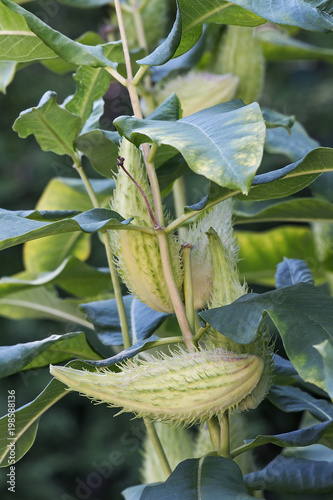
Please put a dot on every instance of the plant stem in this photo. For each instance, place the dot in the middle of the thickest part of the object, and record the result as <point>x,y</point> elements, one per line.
<point>214,432</point>
<point>200,333</point>
<point>179,197</point>
<point>164,341</point>
<point>114,276</point>
<point>151,431</point>
<point>117,76</point>
<point>188,287</point>
<point>173,289</point>
<point>139,74</point>
<point>225,436</point>
<point>155,188</point>
<point>140,31</point>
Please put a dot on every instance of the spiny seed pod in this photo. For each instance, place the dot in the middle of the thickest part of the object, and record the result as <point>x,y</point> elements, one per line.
<point>203,268</point>
<point>213,89</point>
<point>184,388</point>
<point>137,253</point>
<point>241,55</point>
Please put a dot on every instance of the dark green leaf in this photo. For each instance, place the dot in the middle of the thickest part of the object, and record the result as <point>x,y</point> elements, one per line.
<point>15,358</point>
<point>27,418</point>
<point>292,399</point>
<point>54,127</point>
<point>316,434</point>
<point>72,275</point>
<point>293,210</point>
<point>274,119</point>
<point>302,314</point>
<point>101,147</point>
<point>15,230</point>
<point>142,320</point>
<point>292,475</point>
<point>292,271</point>
<point>169,110</point>
<point>206,478</point>
<point>229,152</point>
<point>53,42</point>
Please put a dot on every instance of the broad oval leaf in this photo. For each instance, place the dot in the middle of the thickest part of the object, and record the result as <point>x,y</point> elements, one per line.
<point>292,271</point>
<point>292,475</point>
<point>202,479</point>
<point>224,143</point>
<point>302,314</point>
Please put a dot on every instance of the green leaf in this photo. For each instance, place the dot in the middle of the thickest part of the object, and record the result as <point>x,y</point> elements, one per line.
<point>205,478</point>
<point>15,358</point>
<point>42,303</point>
<point>169,110</point>
<point>278,46</point>
<point>101,147</point>
<point>27,418</point>
<point>142,320</point>
<point>292,475</point>
<point>7,72</point>
<point>261,252</point>
<point>302,314</point>
<point>72,275</point>
<point>46,254</point>
<point>229,152</point>
<point>15,229</point>
<point>26,36</point>
<point>316,434</point>
<point>279,183</point>
<point>92,83</point>
<point>326,351</point>
<point>292,271</point>
<point>54,127</point>
<point>274,119</point>
<point>292,399</point>
<point>293,210</point>
<point>133,492</point>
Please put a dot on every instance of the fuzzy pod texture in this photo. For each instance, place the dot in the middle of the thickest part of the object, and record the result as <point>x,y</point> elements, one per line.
<point>241,55</point>
<point>184,388</point>
<point>177,443</point>
<point>138,257</point>
<point>214,89</point>
<point>204,268</point>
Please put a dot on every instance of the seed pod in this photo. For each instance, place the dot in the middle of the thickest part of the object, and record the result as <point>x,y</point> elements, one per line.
<point>184,388</point>
<point>137,253</point>
<point>197,91</point>
<point>241,55</point>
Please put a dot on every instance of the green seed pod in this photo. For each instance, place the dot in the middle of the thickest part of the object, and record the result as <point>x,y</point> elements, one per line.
<point>241,55</point>
<point>177,443</point>
<point>137,253</point>
<point>197,91</point>
<point>184,388</point>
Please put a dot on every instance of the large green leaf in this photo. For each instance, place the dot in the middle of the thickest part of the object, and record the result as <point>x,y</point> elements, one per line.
<point>302,314</point>
<point>27,418</point>
<point>53,349</point>
<point>312,15</point>
<point>25,37</point>
<point>316,434</point>
<point>63,193</point>
<point>72,275</point>
<point>278,46</point>
<point>292,475</point>
<point>224,143</point>
<point>202,479</point>
<point>15,229</point>
<point>293,210</point>
<point>292,399</point>
<point>276,184</point>
<point>42,303</point>
<point>101,147</point>
<point>54,127</point>
<point>261,252</point>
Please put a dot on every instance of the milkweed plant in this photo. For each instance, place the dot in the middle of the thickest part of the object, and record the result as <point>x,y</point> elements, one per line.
<point>195,89</point>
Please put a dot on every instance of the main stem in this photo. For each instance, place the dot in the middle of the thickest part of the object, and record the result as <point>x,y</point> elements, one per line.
<point>114,275</point>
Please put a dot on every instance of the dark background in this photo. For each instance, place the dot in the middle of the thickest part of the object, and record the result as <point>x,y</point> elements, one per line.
<point>81,451</point>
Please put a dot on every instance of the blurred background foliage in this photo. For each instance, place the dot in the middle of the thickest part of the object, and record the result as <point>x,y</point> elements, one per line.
<point>81,452</point>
